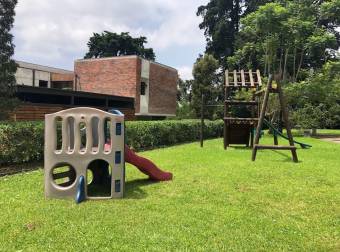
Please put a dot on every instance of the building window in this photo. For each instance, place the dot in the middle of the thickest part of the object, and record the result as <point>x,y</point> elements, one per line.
<point>143,88</point>
<point>67,85</point>
<point>43,83</point>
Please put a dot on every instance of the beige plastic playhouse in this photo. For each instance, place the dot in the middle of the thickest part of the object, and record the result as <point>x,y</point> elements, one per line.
<point>84,144</point>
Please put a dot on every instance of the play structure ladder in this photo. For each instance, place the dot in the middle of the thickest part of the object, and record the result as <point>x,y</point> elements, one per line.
<point>257,146</point>
<point>239,130</point>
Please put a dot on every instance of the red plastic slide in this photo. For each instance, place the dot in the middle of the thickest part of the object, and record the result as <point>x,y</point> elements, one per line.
<point>146,166</point>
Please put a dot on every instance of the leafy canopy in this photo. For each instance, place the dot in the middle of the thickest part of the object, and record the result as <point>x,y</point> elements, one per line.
<point>221,20</point>
<point>316,101</point>
<point>206,81</point>
<point>109,44</point>
<point>287,37</point>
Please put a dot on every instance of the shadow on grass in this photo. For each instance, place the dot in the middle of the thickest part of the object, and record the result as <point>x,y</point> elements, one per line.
<point>288,156</point>
<point>134,188</point>
<point>12,169</point>
<point>239,147</point>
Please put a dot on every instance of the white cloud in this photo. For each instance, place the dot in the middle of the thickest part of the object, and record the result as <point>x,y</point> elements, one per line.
<point>56,32</point>
<point>185,72</point>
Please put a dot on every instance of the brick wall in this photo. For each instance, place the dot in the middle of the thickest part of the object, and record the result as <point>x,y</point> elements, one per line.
<point>113,76</point>
<point>62,77</point>
<point>163,89</point>
<point>36,112</point>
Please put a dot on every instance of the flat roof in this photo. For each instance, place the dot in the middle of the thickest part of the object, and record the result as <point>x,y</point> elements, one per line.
<point>127,57</point>
<point>38,67</point>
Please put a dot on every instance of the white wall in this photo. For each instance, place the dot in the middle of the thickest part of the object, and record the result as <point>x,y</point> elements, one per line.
<point>144,99</point>
<point>24,76</point>
<point>40,75</point>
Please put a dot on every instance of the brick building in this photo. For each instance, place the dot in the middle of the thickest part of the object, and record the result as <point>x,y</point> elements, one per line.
<point>139,87</point>
<point>152,85</point>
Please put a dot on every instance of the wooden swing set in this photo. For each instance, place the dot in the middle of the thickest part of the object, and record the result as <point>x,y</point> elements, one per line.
<point>252,81</point>
<point>247,130</point>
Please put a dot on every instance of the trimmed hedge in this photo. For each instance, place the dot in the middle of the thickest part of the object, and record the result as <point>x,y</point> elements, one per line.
<point>21,142</point>
<point>143,135</point>
<point>24,141</point>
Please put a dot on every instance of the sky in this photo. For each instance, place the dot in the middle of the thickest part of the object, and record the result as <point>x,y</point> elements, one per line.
<point>55,33</point>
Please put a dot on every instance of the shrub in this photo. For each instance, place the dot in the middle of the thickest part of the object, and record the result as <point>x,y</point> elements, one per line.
<point>21,142</point>
<point>315,102</point>
<point>24,141</point>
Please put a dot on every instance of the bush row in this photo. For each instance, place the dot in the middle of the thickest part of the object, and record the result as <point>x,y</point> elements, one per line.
<point>21,142</point>
<point>24,141</point>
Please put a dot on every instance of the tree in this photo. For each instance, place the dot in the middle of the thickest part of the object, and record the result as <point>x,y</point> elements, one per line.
<point>109,44</point>
<point>184,97</point>
<point>8,66</point>
<point>286,38</point>
<point>221,20</point>
<point>315,102</point>
<point>206,82</point>
<point>184,93</point>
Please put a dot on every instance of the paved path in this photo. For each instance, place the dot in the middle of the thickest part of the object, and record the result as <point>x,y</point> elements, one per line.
<point>333,139</point>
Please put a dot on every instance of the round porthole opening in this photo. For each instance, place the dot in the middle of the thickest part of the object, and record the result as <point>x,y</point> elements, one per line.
<point>64,175</point>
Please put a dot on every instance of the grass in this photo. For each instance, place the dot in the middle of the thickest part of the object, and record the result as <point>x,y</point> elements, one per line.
<point>219,200</point>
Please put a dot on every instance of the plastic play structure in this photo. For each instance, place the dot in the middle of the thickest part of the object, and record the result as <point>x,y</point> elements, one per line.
<point>85,155</point>
<point>247,130</point>
<point>146,166</point>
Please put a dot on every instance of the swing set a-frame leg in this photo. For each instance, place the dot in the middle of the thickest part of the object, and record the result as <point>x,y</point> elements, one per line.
<point>286,122</point>
<point>261,119</point>
<point>291,146</point>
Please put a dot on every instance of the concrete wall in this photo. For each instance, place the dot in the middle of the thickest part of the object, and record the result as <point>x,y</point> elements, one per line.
<point>44,76</point>
<point>24,76</point>
<point>30,74</point>
<point>145,77</point>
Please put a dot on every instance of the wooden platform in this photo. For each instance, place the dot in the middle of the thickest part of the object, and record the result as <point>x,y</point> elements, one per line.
<point>274,147</point>
<point>237,120</point>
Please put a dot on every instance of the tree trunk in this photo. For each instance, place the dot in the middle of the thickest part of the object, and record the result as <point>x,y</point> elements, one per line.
<point>314,132</point>
<point>300,64</point>
<point>280,65</point>
<point>202,120</point>
<point>285,66</point>
<point>265,61</point>
<point>294,65</point>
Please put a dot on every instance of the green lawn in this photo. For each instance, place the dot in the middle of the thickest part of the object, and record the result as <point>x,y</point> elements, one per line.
<point>218,200</point>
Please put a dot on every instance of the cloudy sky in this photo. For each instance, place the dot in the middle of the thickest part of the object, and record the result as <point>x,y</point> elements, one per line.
<point>55,33</point>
